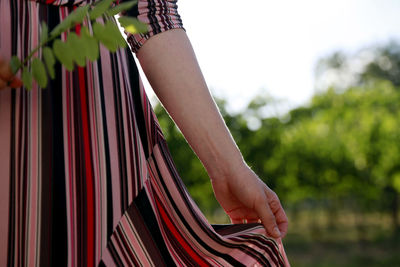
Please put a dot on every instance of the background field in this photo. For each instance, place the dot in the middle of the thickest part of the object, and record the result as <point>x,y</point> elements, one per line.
<point>334,163</point>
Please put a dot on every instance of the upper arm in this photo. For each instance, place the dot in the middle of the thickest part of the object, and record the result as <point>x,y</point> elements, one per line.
<point>159,15</point>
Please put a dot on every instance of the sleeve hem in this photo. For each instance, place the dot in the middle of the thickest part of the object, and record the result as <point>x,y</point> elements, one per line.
<point>136,41</point>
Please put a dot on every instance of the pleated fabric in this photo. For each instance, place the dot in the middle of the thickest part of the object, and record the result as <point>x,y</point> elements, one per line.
<point>86,174</point>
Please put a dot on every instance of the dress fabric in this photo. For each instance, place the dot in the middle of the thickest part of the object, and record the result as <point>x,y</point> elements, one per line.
<point>86,175</point>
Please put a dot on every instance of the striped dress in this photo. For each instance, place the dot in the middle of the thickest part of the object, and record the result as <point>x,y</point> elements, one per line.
<point>86,175</point>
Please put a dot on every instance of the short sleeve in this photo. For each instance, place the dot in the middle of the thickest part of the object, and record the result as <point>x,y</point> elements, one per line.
<point>159,15</point>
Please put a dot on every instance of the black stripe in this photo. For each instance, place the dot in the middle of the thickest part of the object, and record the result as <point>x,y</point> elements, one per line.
<point>80,185</point>
<point>137,99</point>
<point>110,215</point>
<point>262,259</point>
<point>119,124</point>
<point>11,221</point>
<point>47,127</point>
<point>59,208</point>
<point>114,254</point>
<point>142,203</point>
<point>132,145</point>
<point>125,246</point>
<point>151,5</point>
<point>53,217</point>
<point>261,242</point>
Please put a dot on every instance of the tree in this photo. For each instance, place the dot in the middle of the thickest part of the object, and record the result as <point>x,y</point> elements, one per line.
<point>341,150</point>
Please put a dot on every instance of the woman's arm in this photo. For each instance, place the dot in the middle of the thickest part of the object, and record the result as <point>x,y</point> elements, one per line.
<point>171,67</point>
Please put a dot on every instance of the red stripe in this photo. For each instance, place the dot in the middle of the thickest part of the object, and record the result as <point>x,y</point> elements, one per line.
<point>178,237</point>
<point>88,170</point>
<point>88,166</point>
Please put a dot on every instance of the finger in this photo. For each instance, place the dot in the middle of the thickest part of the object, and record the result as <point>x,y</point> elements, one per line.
<point>273,202</point>
<point>278,211</point>
<point>267,218</point>
<point>283,228</point>
<point>15,83</point>
<point>5,71</point>
<point>282,221</point>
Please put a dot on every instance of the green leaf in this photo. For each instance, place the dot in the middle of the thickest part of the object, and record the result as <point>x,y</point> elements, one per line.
<point>99,9</point>
<point>89,44</point>
<point>44,34</point>
<point>50,61</point>
<point>107,40</point>
<point>79,14</point>
<point>75,44</point>
<point>39,72</point>
<point>27,78</point>
<point>121,7</point>
<point>112,30</point>
<point>64,54</point>
<point>76,17</point>
<point>132,25</point>
<point>62,27</point>
<point>15,64</point>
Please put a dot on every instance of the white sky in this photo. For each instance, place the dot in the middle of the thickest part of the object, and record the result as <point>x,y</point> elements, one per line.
<point>248,47</point>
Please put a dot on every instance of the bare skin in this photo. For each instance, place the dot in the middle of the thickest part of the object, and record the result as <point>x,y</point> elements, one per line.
<point>171,66</point>
<point>7,78</point>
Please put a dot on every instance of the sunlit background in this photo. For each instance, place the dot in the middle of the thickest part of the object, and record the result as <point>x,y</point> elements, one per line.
<point>310,91</point>
<point>248,47</point>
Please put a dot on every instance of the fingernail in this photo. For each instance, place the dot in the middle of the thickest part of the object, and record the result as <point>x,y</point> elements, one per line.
<point>277,233</point>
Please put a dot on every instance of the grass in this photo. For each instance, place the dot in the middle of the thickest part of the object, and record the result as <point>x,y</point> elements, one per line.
<point>378,252</point>
<point>315,239</point>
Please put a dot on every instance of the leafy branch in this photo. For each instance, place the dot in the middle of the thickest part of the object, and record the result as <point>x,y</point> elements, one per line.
<point>77,48</point>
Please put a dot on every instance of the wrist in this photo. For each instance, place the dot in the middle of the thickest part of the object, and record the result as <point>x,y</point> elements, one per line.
<point>222,168</point>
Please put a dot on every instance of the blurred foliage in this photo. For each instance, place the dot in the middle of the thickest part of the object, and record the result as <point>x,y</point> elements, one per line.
<point>338,154</point>
<point>342,70</point>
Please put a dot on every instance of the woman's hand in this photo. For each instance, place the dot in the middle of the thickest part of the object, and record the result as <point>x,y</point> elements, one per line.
<point>7,78</point>
<point>245,197</point>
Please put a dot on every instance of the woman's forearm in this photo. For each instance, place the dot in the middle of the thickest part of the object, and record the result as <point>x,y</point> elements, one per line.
<point>171,67</point>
